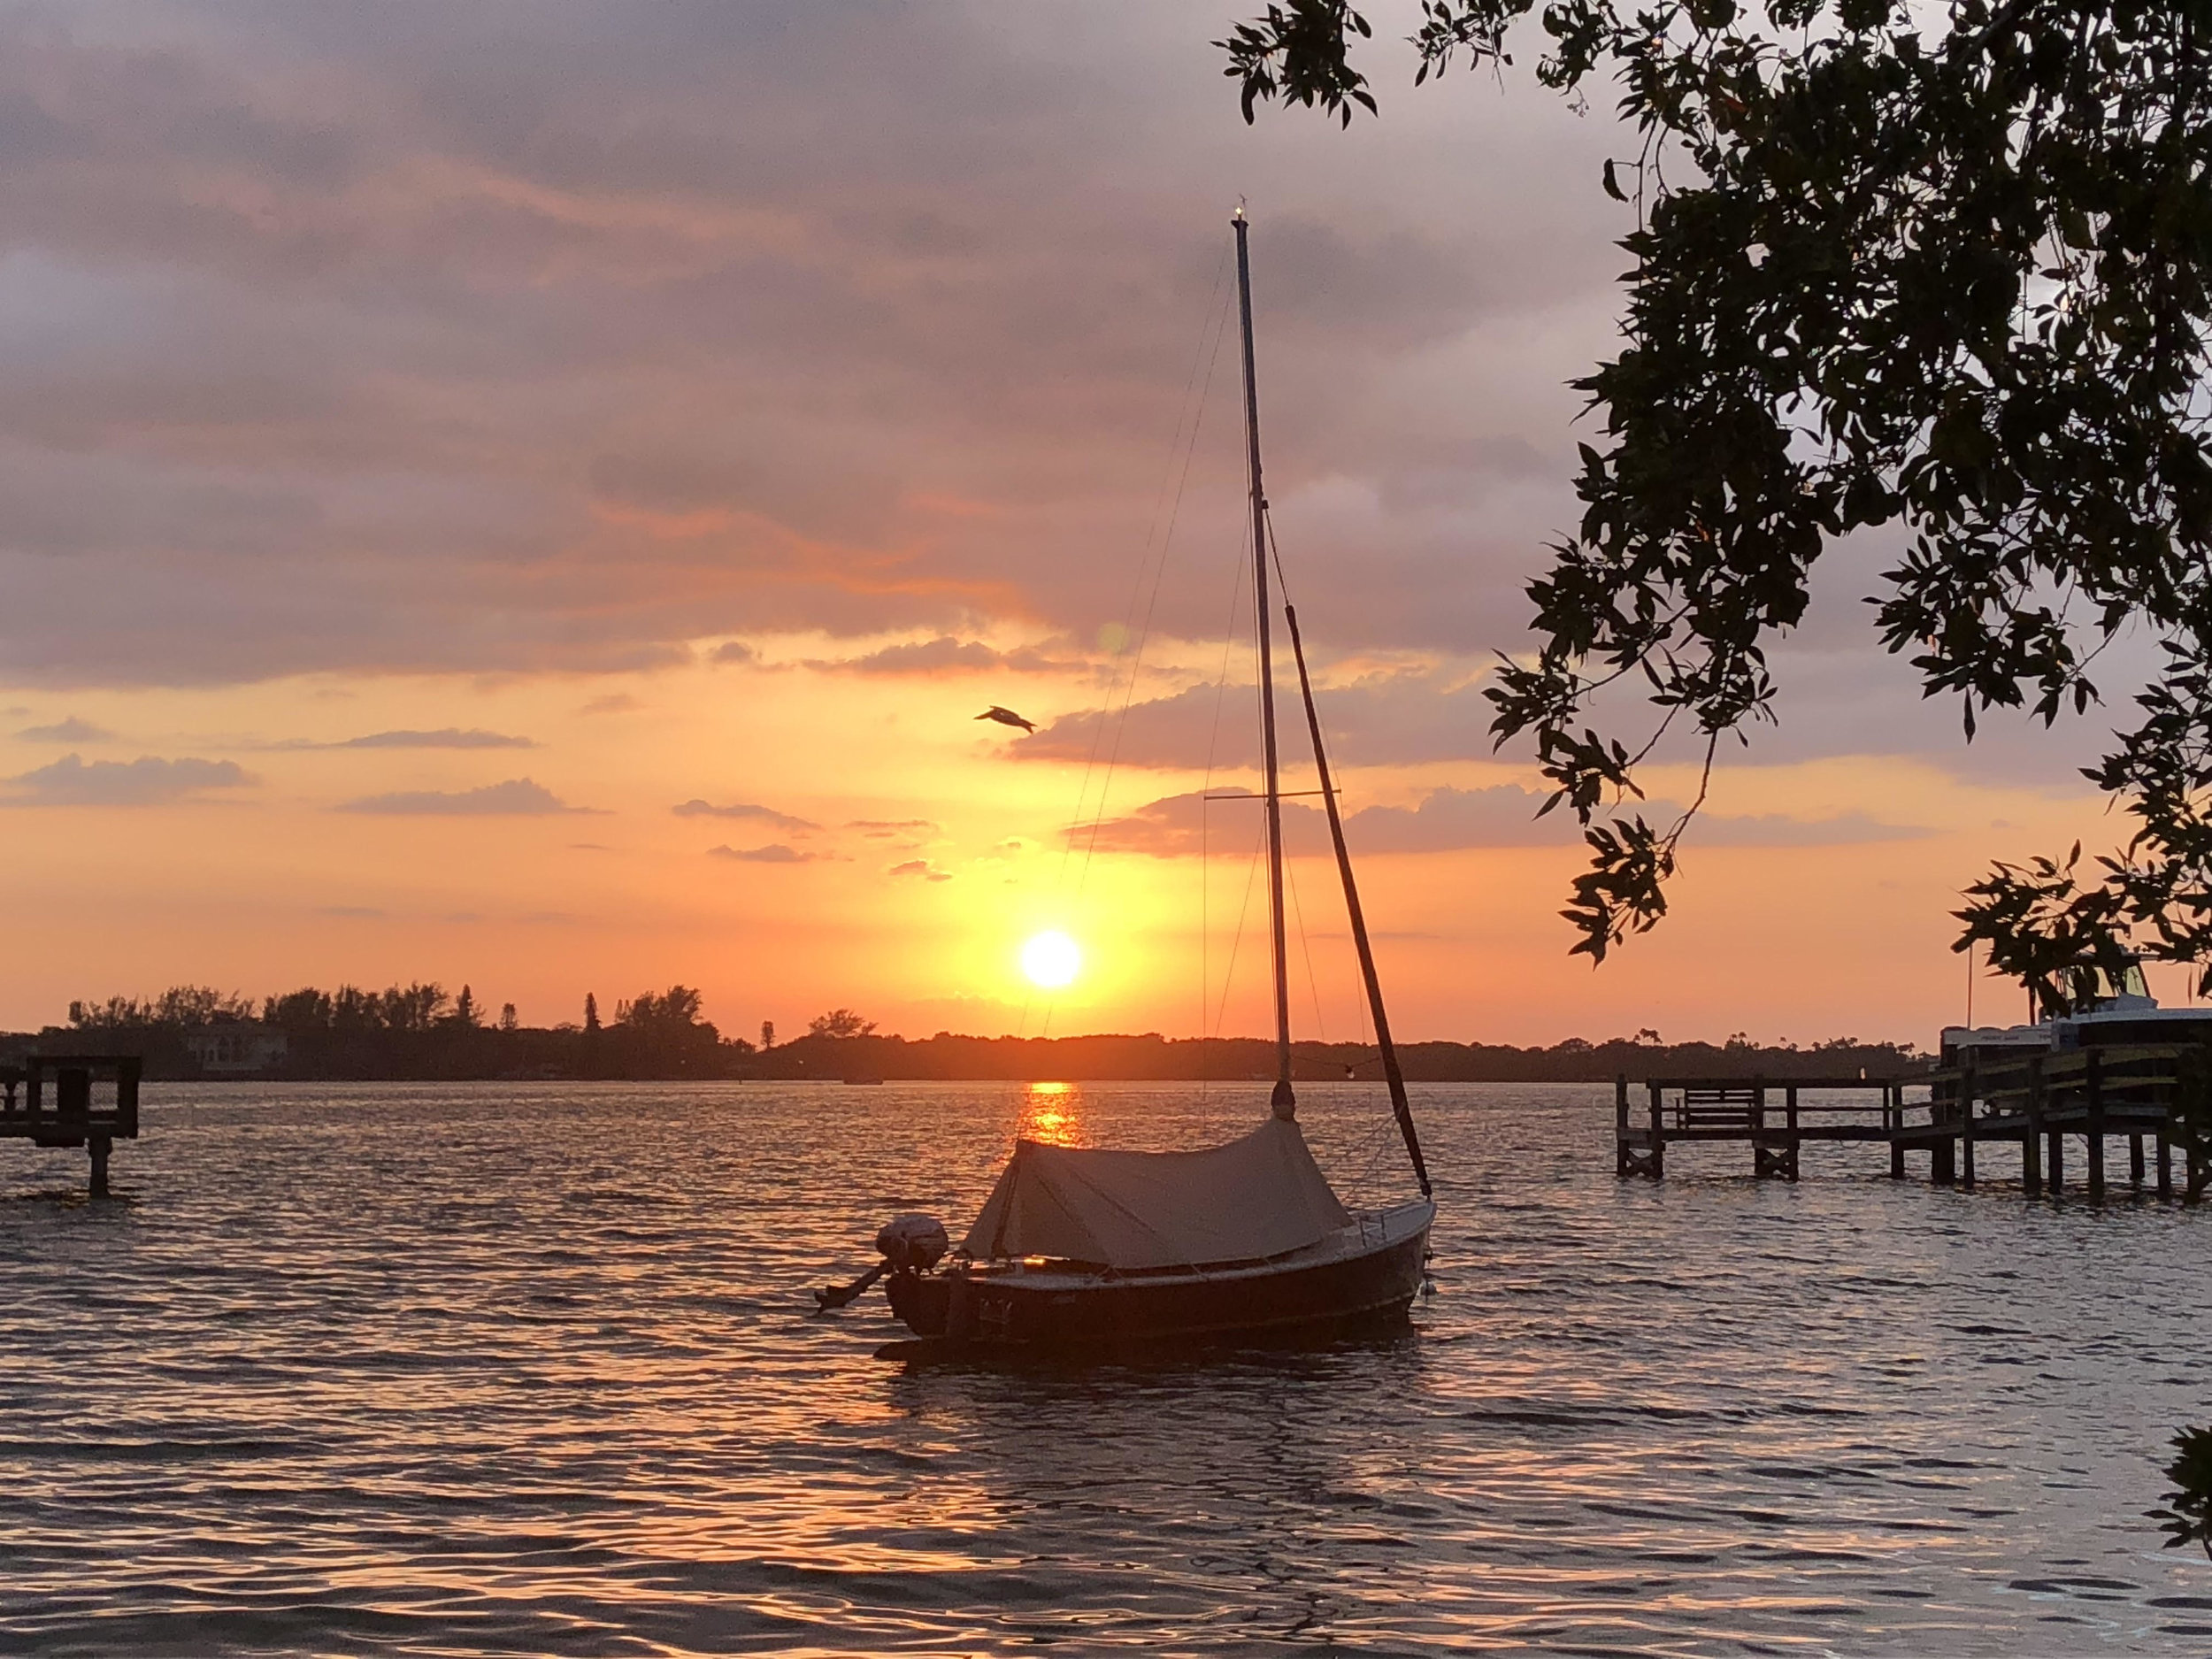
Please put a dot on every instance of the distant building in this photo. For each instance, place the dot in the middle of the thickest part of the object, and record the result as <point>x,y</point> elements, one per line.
<point>237,1048</point>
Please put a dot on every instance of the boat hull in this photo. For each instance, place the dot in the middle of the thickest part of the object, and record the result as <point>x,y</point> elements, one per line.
<point>1369,1276</point>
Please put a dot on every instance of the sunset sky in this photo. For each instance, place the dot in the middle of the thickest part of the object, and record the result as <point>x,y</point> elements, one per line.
<point>535,495</point>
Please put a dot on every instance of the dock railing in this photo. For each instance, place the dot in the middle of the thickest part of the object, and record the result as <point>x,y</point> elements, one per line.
<point>2041,1100</point>
<point>82,1100</point>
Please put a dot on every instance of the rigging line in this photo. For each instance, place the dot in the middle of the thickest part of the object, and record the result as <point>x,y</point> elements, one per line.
<point>1210,324</point>
<point>1228,650</point>
<point>1305,946</point>
<point>1379,1143</point>
<point>1159,578</point>
<point>1213,742</point>
<point>1213,321</point>
<point>1401,1105</point>
<point>1229,975</point>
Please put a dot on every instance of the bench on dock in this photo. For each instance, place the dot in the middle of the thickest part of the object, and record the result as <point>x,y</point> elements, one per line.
<point>78,1100</point>
<point>1720,1106</point>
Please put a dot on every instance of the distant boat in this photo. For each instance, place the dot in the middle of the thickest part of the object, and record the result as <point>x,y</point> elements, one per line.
<point>864,1082</point>
<point>1080,1247</point>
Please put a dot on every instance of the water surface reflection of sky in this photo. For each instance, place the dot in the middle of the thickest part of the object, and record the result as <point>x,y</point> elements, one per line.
<point>486,1370</point>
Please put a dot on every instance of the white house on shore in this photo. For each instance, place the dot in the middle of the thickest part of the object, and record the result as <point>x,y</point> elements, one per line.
<point>237,1048</point>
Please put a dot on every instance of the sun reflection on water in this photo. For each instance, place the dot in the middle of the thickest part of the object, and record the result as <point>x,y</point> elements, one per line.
<point>1052,1113</point>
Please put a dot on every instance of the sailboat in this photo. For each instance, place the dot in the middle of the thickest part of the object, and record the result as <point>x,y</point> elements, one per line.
<point>1078,1246</point>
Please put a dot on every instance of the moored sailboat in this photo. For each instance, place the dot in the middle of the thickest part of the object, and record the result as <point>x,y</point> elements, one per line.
<point>1077,1247</point>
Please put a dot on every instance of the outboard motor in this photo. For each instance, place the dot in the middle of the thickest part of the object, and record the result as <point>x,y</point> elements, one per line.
<point>912,1245</point>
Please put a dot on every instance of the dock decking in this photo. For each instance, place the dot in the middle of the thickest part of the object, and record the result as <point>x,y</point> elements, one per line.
<point>56,1101</point>
<point>2036,1102</point>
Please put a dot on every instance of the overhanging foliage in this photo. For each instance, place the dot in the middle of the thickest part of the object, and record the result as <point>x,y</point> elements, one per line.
<point>1946,270</point>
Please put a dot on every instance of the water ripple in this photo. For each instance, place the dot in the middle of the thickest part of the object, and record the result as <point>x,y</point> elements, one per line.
<point>527,1370</point>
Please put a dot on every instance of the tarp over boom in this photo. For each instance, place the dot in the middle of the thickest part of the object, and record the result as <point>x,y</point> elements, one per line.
<point>1252,1198</point>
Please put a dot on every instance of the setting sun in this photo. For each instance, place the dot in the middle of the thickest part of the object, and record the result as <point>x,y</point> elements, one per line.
<point>1052,960</point>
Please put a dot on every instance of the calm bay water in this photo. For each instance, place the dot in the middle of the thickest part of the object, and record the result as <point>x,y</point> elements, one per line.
<point>528,1369</point>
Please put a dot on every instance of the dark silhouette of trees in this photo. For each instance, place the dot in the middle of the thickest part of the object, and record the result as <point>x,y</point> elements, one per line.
<point>303,1009</point>
<point>415,1030</point>
<point>1151,1057</point>
<point>663,1035</point>
<point>350,1032</point>
<point>180,1005</point>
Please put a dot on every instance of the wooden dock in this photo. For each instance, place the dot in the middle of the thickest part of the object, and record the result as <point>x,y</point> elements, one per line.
<point>2036,1102</point>
<point>84,1100</point>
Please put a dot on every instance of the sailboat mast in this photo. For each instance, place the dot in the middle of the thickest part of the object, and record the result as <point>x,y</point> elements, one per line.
<point>1285,1102</point>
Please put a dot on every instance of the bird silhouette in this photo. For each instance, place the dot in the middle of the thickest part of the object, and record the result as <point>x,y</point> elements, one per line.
<point>1006,717</point>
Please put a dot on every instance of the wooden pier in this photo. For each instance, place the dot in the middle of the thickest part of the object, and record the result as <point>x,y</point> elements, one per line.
<point>89,1101</point>
<point>2036,1102</point>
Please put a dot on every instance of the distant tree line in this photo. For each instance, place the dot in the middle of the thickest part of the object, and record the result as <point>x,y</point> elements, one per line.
<point>416,1031</point>
<point>843,1049</point>
<point>419,1031</point>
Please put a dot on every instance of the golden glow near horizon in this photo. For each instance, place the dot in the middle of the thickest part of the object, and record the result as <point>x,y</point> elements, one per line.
<point>874,847</point>
<point>1052,960</point>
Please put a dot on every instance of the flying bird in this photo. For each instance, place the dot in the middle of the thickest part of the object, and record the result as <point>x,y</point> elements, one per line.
<point>1006,717</point>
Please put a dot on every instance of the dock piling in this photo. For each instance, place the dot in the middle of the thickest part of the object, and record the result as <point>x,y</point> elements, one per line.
<point>1635,1152</point>
<point>2032,1141</point>
<point>1620,1126</point>
<point>2135,1161</point>
<point>2165,1167</point>
<point>1966,1147</point>
<point>2093,1123</point>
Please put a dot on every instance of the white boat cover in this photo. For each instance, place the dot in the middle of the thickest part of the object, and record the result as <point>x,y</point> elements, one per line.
<point>1252,1198</point>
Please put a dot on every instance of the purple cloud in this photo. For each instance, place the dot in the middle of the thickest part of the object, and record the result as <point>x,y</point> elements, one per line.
<point>146,782</point>
<point>517,797</point>
<point>745,809</point>
<point>445,737</point>
<point>774,853</point>
<point>1395,717</point>
<point>1446,820</point>
<point>946,655</point>
<point>71,730</point>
